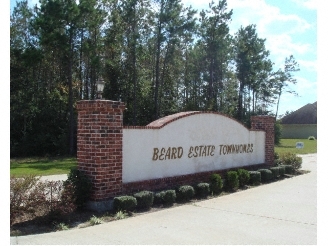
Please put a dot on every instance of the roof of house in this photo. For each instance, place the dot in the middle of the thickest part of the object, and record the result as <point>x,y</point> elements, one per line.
<point>305,115</point>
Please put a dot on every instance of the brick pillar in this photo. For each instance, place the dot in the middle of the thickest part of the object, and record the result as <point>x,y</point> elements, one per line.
<point>99,148</point>
<point>266,123</point>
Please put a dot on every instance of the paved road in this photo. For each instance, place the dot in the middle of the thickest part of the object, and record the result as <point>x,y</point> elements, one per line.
<point>281,213</point>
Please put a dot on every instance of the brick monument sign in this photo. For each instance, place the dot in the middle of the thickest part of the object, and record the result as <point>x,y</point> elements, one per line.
<point>179,149</point>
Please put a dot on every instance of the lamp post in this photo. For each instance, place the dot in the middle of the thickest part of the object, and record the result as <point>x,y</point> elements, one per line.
<point>100,87</point>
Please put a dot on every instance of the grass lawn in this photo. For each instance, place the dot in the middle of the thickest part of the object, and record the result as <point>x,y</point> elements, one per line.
<point>289,145</point>
<point>41,166</point>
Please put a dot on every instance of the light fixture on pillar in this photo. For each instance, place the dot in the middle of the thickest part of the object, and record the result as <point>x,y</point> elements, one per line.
<point>100,87</point>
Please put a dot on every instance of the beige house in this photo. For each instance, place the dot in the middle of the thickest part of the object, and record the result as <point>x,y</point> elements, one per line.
<point>300,124</point>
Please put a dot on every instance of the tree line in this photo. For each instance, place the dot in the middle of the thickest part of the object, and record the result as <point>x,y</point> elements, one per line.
<point>159,57</point>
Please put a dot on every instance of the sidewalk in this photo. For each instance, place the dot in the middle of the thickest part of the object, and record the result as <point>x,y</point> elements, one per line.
<point>283,212</point>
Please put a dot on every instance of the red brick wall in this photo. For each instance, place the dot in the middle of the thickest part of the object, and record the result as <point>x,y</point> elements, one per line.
<point>99,143</point>
<point>172,182</point>
<point>266,123</point>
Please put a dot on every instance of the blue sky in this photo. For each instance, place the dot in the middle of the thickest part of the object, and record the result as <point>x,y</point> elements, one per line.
<point>289,27</point>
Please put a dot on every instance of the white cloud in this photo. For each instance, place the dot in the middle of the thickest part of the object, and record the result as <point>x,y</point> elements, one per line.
<point>283,44</point>
<point>308,65</point>
<point>305,87</point>
<point>309,4</point>
<point>277,28</point>
<point>265,16</point>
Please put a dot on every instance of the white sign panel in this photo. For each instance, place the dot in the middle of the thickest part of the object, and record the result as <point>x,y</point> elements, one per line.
<point>195,143</point>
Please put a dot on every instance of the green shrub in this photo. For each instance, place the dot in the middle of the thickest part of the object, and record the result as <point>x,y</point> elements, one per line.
<point>288,169</point>
<point>169,197</point>
<point>120,215</point>
<point>277,132</point>
<point>95,220</point>
<point>232,181</point>
<point>311,138</point>
<point>81,186</point>
<point>275,172</point>
<point>124,203</point>
<point>145,199</point>
<point>276,159</point>
<point>276,156</point>
<point>203,189</point>
<point>216,183</point>
<point>281,171</point>
<point>185,193</point>
<point>61,227</point>
<point>255,177</point>
<point>291,159</point>
<point>266,175</point>
<point>158,197</point>
<point>243,177</point>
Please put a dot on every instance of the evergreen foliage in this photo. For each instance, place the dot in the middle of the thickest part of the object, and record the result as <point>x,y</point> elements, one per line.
<point>243,177</point>
<point>124,203</point>
<point>275,172</point>
<point>255,177</point>
<point>232,181</point>
<point>185,193</point>
<point>152,54</point>
<point>216,183</point>
<point>266,175</point>
<point>81,185</point>
<point>203,189</point>
<point>145,199</point>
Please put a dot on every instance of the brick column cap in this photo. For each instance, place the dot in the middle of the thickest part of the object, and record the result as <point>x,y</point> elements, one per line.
<point>88,104</point>
<point>263,116</point>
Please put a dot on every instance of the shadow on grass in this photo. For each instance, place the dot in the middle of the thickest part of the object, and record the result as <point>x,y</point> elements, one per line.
<point>42,166</point>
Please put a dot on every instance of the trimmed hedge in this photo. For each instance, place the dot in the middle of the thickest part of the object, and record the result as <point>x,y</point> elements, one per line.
<point>255,177</point>
<point>125,203</point>
<point>266,175</point>
<point>158,197</point>
<point>232,181</point>
<point>203,189</point>
<point>167,197</point>
<point>281,171</point>
<point>185,193</point>
<point>216,183</point>
<point>288,169</point>
<point>145,199</point>
<point>243,177</point>
<point>275,172</point>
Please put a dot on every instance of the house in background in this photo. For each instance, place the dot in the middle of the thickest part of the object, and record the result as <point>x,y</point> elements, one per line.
<point>300,124</point>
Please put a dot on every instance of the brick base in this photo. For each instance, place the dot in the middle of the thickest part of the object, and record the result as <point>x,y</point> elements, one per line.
<point>173,182</point>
